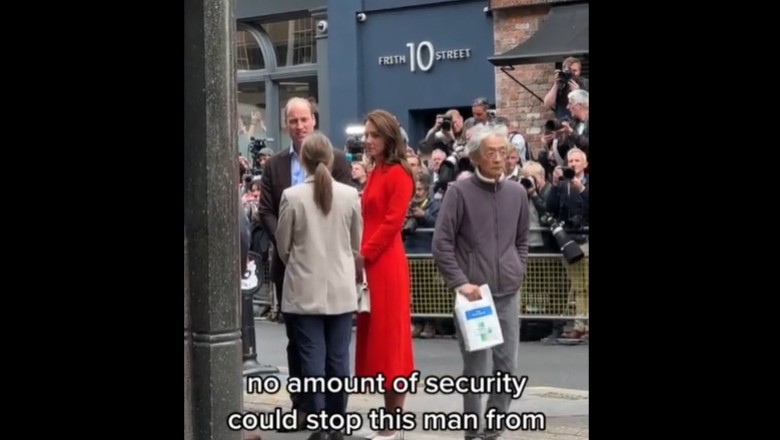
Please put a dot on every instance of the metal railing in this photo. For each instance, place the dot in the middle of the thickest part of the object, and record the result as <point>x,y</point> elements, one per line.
<point>551,289</point>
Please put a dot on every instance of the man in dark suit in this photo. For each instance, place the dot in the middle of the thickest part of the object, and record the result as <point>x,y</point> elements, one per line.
<point>281,171</point>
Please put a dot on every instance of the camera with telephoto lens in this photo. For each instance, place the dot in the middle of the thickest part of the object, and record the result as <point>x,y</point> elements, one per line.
<point>354,145</point>
<point>410,222</point>
<point>527,182</point>
<point>568,173</point>
<point>446,123</point>
<point>569,247</point>
<point>564,76</point>
<point>555,124</point>
<point>255,145</point>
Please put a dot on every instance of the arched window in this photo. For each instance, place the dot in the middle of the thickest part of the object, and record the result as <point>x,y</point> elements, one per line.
<point>293,41</point>
<point>248,53</point>
<point>274,61</point>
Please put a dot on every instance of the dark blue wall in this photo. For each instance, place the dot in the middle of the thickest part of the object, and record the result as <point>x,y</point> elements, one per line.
<point>260,8</point>
<point>343,67</point>
<point>360,84</point>
<point>374,5</point>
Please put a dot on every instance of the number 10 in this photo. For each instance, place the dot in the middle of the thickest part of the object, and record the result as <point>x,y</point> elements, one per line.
<point>416,56</point>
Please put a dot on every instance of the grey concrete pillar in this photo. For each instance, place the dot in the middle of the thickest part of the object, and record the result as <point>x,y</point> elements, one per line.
<point>323,86</point>
<point>211,216</point>
<point>187,350</point>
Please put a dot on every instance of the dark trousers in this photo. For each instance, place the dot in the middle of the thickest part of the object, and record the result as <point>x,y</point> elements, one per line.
<point>293,359</point>
<point>322,343</point>
<point>278,296</point>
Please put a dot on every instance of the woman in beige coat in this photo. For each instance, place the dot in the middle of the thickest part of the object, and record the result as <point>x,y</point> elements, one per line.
<point>318,238</point>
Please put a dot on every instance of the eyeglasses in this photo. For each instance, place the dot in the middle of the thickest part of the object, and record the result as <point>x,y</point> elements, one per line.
<point>480,101</point>
<point>492,154</point>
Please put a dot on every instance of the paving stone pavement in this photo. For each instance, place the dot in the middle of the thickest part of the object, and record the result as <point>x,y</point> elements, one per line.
<point>566,413</point>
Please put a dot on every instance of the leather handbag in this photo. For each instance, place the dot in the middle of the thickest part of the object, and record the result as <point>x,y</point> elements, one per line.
<point>364,300</point>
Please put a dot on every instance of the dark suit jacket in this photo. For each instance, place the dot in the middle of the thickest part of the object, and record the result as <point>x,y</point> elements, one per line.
<point>276,178</point>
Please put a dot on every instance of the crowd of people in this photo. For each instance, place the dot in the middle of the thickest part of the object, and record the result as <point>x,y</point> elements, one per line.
<point>332,220</point>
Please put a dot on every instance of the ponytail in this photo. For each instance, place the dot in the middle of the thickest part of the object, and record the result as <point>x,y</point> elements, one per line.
<point>323,188</point>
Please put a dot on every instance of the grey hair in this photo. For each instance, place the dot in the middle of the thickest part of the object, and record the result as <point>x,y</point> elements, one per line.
<point>482,132</point>
<point>576,150</point>
<point>439,151</point>
<point>473,129</point>
<point>580,97</point>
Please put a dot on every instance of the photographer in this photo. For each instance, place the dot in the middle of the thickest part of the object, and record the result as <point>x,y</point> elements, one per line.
<point>259,153</point>
<point>568,199</point>
<point>537,187</point>
<point>567,80</point>
<point>568,202</point>
<point>579,130</point>
<point>421,214</point>
<point>480,114</point>
<point>446,169</point>
<point>448,129</point>
<point>247,133</point>
<point>555,145</point>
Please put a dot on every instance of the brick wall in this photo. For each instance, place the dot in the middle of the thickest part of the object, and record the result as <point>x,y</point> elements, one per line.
<point>514,21</point>
<point>512,27</point>
<point>499,4</point>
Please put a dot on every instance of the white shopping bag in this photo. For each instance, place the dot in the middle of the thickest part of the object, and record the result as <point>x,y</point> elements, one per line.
<point>478,321</point>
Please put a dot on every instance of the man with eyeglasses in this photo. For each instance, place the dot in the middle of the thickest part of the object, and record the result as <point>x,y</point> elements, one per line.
<point>470,250</point>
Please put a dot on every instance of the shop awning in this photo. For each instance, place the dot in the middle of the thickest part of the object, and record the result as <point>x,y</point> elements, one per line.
<point>563,33</point>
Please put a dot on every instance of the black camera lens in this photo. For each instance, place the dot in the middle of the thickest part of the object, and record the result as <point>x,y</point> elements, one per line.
<point>552,125</point>
<point>564,75</point>
<point>568,173</point>
<point>571,251</point>
<point>526,182</point>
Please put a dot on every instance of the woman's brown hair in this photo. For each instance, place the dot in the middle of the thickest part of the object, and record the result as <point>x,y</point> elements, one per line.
<point>395,146</point>
<point>317,158</point>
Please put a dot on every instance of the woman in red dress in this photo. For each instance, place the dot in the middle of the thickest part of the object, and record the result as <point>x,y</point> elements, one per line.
<point>383,337</point>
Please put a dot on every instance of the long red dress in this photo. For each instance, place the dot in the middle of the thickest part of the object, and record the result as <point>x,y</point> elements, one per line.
<point>384,337</point>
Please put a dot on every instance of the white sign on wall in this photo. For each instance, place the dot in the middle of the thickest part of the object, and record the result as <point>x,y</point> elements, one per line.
<point>422,55</point>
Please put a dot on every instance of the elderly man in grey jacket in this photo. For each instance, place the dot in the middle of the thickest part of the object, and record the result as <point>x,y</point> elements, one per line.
<point>481,237</point>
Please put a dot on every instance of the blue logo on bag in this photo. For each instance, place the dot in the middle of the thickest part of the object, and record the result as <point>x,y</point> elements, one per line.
<point>479,313</point>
